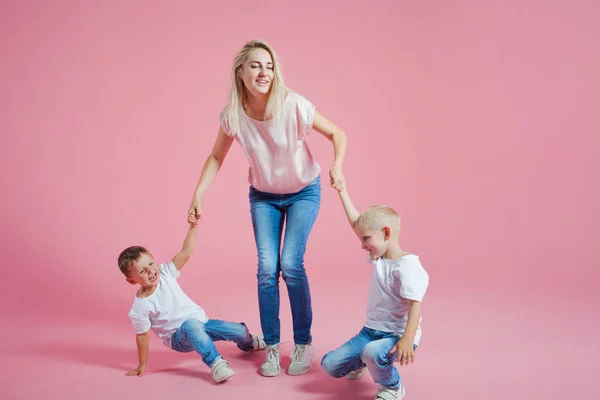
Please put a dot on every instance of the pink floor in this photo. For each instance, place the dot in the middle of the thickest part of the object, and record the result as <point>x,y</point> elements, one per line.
<point>475,346</point>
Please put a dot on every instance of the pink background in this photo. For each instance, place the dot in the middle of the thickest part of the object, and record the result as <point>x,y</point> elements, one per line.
<point>477,120</point>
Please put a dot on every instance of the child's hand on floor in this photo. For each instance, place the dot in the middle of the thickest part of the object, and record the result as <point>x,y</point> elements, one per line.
<point>405,352</point>
<point>139,371</point>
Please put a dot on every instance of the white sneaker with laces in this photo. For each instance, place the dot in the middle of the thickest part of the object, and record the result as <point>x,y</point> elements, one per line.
<point>258,343</point>
<point>301,359</point>
<point>271,366</point>
<point>386,393</point>
<point>221,370</point>
<point>356,374</point>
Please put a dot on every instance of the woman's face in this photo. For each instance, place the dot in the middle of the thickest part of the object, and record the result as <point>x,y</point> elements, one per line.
<point>257,72</point>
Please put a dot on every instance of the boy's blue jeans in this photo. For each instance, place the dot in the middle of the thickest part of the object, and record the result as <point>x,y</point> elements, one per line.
<point>370,348</point>
<point>196,335</point>
<point>269,212</point>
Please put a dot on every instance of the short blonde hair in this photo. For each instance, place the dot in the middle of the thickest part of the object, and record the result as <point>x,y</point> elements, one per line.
<point>376,217</point>
<point>237,91</point>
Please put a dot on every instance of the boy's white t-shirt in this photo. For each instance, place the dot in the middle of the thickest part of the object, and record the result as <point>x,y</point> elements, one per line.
<point>393,283</point>
<point>166,309</point>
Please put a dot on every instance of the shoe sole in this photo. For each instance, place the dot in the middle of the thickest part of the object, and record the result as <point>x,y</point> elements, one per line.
<point>225,377</point>
<point>301,372</point>
<point>269,375</point>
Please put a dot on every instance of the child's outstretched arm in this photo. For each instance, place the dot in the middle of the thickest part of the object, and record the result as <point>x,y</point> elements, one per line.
<point>351,212</point>
<point>143,344</point>
<point>188,247</point>
<point>404,347</point>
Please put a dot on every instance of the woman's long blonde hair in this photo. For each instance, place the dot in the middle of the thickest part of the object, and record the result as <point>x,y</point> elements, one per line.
<point>238,95</point>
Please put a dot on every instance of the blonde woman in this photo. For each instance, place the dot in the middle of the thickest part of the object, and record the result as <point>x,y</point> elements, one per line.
<point>272,124</point>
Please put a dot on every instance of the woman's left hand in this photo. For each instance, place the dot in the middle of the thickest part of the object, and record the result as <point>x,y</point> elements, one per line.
<point>336,178</point>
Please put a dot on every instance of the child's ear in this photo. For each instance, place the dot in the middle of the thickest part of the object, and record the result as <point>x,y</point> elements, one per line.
<point>130,281</point>
<point>386,232</point>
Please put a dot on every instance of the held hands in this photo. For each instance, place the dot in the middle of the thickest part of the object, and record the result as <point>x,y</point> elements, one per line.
<point>192,221</point>
<point>139,371</point>
<point>405,352</point>
<point>336,178</point>
<point>194,213</point>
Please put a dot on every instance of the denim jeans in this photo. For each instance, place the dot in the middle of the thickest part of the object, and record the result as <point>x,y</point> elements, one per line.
<point>269,212</point>
<point>370,348</point>
<point>196,335</point>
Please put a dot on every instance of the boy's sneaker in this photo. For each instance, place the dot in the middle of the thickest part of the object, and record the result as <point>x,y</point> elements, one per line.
<point>258,343</point>
<point>220,370</point>
<point>301,359</point>
<point>271,365</point>
<point>356,374</point>
<point>386,393</point>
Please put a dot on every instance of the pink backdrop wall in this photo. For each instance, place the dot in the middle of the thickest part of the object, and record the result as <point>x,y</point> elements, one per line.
<point>477,120</point>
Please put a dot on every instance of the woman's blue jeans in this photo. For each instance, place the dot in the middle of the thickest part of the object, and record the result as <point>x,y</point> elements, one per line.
<point>269,211</point>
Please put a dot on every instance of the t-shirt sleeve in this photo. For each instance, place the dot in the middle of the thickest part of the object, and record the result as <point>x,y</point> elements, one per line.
<point>306,114</point>
<point>170,270</point>
<point>414,281</point>
<point>225,123</point>
<point>141,324</point>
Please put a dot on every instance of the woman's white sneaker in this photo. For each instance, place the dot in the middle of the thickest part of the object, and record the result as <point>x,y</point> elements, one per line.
<point>301,359</point>
<point>271,366</point>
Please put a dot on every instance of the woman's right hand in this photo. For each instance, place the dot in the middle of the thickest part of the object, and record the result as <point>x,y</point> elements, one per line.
<point>194,211</point>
